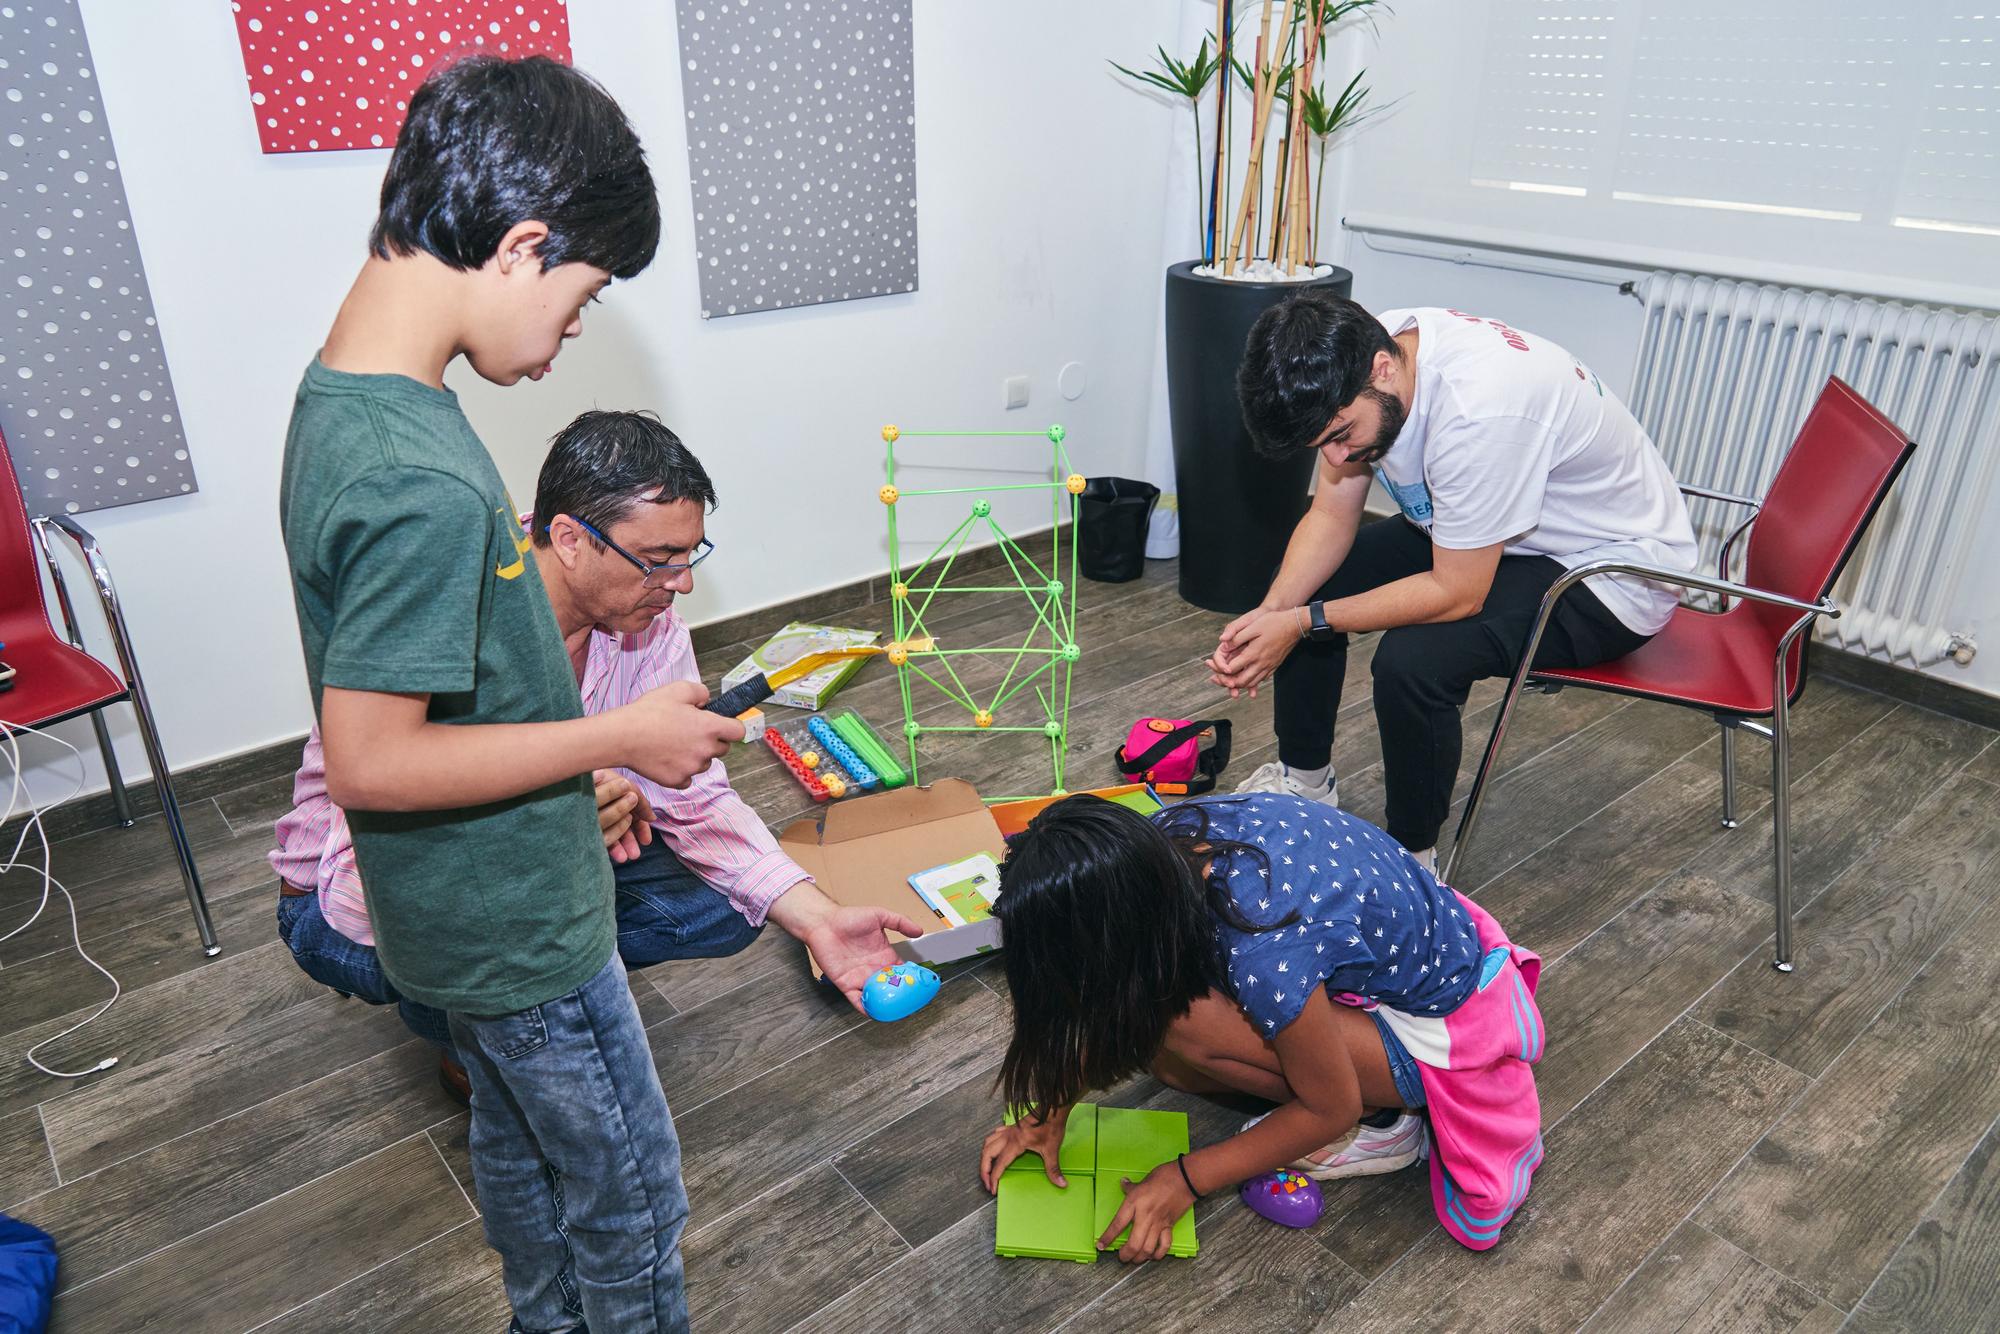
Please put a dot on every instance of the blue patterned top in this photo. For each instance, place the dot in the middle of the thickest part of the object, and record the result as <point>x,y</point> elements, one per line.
<point>1367,917</point>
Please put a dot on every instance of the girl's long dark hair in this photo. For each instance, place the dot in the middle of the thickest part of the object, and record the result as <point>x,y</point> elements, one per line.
<point>1109,937</point>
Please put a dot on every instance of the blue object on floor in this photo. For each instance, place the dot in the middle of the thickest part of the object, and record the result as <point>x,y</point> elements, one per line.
<point>27,1277</point>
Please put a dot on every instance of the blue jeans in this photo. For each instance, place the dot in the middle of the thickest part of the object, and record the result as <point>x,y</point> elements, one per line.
<point>665,912</point>
<point>578,1166</point>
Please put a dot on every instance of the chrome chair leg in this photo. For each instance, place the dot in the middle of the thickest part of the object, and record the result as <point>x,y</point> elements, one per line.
<point>1729,820</point>
<point>171,808</point>
<point>119,800</point>
<point>1781,798</point>
<point>1448,868</point>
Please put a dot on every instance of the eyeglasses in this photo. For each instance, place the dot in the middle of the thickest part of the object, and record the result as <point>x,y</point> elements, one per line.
<point>654,575</point>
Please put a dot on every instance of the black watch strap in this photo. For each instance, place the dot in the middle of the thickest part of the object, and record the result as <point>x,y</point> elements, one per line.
<point>1316,611</point>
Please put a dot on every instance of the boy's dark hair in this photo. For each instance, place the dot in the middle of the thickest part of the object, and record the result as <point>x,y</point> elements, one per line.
<point>490,142</point>
<point>604,465</point>
<point>1109,926</point>
<point>1306,359</point>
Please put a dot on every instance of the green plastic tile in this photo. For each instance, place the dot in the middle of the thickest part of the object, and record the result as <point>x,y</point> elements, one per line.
<point>1037,1218</point>
<point>1133,1143</point>
<point>1111,1193</point>
<point>1079,1146</point>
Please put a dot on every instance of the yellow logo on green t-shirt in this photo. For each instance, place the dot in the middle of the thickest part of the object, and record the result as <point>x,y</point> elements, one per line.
<point>521,544</point>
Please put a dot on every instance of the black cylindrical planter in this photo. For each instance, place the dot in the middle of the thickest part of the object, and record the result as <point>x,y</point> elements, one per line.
<point>1237,509</point>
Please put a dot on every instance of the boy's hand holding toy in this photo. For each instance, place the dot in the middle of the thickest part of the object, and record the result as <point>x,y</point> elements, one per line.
<point>670,737</point>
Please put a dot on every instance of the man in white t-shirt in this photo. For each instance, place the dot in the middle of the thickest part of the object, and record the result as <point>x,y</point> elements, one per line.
<point>1510,462</point>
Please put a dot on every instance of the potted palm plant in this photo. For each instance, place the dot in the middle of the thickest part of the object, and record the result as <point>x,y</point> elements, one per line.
<point>1237,510</point>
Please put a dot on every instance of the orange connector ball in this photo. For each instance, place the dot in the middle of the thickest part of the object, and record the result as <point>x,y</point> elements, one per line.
<point>899,591</point>
<point>810,759</point>
<point>983,718</point>
<point>835,787</point>
<point>898,655</point>
<point>888,494</point>
<point>890,434</point>
<point>1074,483</point>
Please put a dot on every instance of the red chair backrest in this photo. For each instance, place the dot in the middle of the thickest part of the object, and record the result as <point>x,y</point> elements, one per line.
<point>20,571</point>
<point>1833,478</point>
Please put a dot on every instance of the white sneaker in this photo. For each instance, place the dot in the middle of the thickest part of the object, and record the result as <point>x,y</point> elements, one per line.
<point>1365,1151</point>
<point>1275,777</point>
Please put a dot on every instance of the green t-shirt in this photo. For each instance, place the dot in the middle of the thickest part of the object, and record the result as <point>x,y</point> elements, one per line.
<point>411,576</point>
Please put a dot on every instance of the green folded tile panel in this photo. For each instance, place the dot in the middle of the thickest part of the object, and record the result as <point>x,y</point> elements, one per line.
<point>1102,1148</point>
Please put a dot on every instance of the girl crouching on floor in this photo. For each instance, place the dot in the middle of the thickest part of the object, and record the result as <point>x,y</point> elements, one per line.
<point>1265,944</point>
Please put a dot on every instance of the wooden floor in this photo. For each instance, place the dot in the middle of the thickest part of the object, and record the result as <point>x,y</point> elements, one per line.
<point>1728,1149</point>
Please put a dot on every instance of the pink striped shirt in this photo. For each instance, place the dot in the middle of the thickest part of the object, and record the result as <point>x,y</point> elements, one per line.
<point>711,829</point>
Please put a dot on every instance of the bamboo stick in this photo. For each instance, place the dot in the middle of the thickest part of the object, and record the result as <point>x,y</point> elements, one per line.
<point>1284,194</point>
<point>1260,112</point>
<point>1281,202</point>
<point>1303,82</point>
<point>1216,178</point>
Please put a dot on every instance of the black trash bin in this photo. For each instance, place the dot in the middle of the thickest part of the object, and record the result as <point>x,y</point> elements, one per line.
<point>1237,510</point>
<point>1111,538</point>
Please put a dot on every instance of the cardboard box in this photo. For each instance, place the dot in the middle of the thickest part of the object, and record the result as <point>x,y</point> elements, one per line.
<point>862,852</point>
<point>787,647</point>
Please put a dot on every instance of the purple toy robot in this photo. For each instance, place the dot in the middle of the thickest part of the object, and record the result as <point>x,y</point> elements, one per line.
<point>1284,1197</point>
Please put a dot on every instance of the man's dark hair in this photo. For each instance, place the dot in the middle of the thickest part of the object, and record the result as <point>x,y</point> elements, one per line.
<point>1307,358</point>
<point>604,465</point>
<point>489,143</point>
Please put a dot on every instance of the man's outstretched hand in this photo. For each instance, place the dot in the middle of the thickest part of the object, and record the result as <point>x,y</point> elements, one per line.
<point>850,946</point>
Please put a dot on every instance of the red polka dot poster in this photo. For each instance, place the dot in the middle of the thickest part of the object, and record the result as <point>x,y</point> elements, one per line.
<point>328,74</point>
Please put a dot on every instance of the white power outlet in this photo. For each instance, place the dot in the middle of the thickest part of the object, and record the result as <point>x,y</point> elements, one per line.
<point>1017,391</point>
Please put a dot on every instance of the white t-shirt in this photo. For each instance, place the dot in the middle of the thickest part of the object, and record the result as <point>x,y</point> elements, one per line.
<point>1511,439</point>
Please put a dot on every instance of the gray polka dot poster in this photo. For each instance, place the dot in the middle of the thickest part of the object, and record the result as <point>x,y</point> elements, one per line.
<point>801,130</point>
<point>85,399</point>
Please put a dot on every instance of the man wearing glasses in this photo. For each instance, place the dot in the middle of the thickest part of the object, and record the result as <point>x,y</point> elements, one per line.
<point>616,534</point>
<point>1511,463</point>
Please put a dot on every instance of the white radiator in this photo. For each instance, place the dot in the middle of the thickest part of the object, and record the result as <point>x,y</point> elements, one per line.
<point>1725,374</point>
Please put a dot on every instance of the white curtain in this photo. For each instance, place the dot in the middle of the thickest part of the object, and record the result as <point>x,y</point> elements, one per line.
<point>1180,238</point>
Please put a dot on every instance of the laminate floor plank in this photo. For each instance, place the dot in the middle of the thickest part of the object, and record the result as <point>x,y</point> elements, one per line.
<point>738,1035</point>
<point>739,1145</point>
<point>172,1096</point>
<point>263,1263</point>
<point>186,1010</point>
<point>1697,1283</point>
<point>1861,941</point>
<point>26,1165</point>
<point>449,1285</point>
<point>136,1206</point>
<point>1836,1186</point>
<point>1621,1173</point>
<point>1946,1274</point>
<point>777,1260</point>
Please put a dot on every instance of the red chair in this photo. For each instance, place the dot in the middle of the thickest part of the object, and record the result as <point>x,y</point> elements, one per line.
<point>55,681</point>
<point>1746,661</point>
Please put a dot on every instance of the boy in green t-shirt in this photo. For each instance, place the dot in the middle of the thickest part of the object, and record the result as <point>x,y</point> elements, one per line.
<point>453,731</point>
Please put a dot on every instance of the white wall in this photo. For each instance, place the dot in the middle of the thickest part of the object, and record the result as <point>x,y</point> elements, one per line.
<point>1036,171</point>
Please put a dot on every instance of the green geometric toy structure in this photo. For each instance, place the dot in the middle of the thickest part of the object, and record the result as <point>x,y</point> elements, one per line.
<point>1049,651</point>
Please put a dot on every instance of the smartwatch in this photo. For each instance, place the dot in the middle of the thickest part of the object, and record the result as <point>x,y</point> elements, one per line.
<point>1319,629</point>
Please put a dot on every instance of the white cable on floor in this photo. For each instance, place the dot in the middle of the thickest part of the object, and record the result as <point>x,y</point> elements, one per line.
<point>11,733</point>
